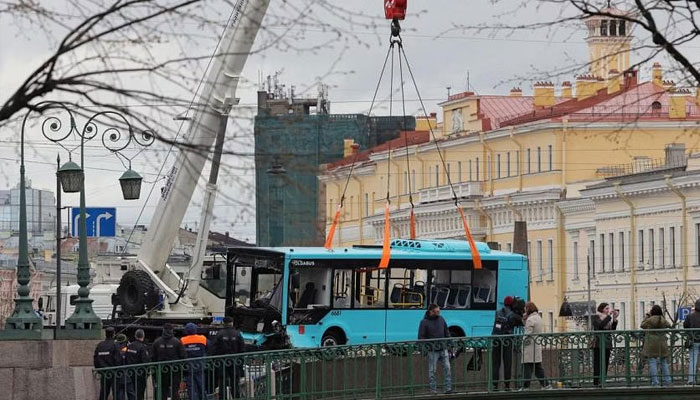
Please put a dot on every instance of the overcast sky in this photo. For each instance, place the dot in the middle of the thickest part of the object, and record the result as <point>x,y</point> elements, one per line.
<point>493,65</point>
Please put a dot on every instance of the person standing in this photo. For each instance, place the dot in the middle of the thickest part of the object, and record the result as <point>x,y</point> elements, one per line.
<point>137,353</point>
<point>692,321</point>
<point>168,348</point>
<point>125,388</point>
<point>107,355</point>
<point>532,348</point>
<point>655,346</point>
<point>433,326</point>
<point>195,347</point>
<point>228,342</point>
<point>604,320</point>
<point>505,323</point>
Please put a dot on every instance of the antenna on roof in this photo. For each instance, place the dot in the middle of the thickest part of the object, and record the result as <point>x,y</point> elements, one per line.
<point>468,80</point>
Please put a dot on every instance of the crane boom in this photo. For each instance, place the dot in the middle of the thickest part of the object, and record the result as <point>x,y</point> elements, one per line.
<point>219,88</point>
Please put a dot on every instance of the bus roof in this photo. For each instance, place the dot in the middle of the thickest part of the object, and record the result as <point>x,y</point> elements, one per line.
<point>402,248</point>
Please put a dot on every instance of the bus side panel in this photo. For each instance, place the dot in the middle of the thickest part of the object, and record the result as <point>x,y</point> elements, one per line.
<point>402,325</point>
<point>358,327</point>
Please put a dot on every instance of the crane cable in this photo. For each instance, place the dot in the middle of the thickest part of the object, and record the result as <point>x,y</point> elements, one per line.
<point>336,218</point>
<point>412,218</point>
<point>476,257</point>
<point>386,243</point>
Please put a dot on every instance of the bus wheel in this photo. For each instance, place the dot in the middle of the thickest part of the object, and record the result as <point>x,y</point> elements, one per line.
<point>333,337</point>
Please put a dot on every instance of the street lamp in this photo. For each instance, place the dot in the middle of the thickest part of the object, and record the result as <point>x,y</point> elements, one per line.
<point>84,323</point>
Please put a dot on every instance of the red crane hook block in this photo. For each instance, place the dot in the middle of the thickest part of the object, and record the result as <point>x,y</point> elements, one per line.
<point>395,9</point>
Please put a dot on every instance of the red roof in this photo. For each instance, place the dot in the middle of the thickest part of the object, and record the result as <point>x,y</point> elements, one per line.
<point>498,109</point>
<point>411,137</point>
<point>632,103</point>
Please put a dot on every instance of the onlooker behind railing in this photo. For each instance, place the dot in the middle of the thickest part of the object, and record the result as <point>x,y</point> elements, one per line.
<point>168,348</point>
<point>107,355</point>
<point>195,347</point>
<point>604,320</point>
<point>505,323</point>
<point>692,321</point>
<point>433,326</point>
<point>655,346</point>
<point>137,353</point>
<point>532,348</point>
<point>125,387</point>
<point>227,342</point>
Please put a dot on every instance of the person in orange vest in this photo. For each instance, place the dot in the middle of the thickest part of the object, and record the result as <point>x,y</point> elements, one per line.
<point>195,347</point>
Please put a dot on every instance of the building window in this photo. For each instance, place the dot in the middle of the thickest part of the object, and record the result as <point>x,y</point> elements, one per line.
<point>613,31</point>
<point>529,166</point>
<point>508,164</point>
<point>539,159</point>
<point>448,174</point>
<point>437,175</point>
<point>550,156</point>
<point>366,204</point>
<point>591,257</point>
<point>551,321</point>
<point>662,249</point>
<point>477,169</point>
<point>459,171</point>
<point>405,182</point>
<point>413,180</point>
<point>604,27</point>
<point>612,251</point>
<point>622,251</point>
<point>471,177</point>
<point>640,246</point>
<point>651,247</point>
<point>623,315</point>
<point>498,165</point>
<point>672,245</point>
<point>540,265</point>
<point>575,246</point>
<point>642,312</point>
<point>489,168</point>
<point>602,252</point>
<point>351,206</point>
<point>509,247</point>
<point>621,28</point>
<point>517,162</point>
<point>550,266</point>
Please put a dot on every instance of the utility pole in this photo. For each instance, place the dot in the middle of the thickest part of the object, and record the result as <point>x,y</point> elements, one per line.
<point>588,306</point>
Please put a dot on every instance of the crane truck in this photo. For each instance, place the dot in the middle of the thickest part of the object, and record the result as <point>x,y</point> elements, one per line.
<point>150,292</point>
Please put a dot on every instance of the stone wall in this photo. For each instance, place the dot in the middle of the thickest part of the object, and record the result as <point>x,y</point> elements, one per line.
<point>47,369</point>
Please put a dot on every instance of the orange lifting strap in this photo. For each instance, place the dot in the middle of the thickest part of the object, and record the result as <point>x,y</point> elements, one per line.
<point>413,224</point>
<point>336,219</point>
<point>476,257</point>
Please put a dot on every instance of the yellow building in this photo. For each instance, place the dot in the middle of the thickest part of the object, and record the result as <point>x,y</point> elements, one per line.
<point>514,157</point>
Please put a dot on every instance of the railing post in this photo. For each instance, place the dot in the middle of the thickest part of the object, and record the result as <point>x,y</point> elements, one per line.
<point>268,377</point>
<point>628,358</point>
<point>378,383</point>
<point>489,364</point>
<point>603,360</point>
<point>303,391</point>
<point>411,352</point>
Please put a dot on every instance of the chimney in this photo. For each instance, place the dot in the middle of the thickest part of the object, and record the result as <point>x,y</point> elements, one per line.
<point>677,100</point>
<point>566,90</point>
<point>657,74</point>
<point>516,92</point>
<point>613,81</point>
<point>641,164</point>
<point>348,147</point>
<point>675,154</point>
<point>630,78</point>
<point>585,86</point>
<point>544,94</point>
<point>599,84</point>
<point>669,85</point>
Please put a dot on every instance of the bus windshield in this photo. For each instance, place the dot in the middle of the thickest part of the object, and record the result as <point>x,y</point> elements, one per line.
<point>258,285</point>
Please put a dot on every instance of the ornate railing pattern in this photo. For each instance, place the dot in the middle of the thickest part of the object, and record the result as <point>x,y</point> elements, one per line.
<point>401,369</point>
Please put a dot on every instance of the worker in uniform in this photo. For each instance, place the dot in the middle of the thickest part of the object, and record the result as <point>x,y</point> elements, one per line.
<point>195,347</point>
<point>228,371</point>
<point>137,353</point>
<point>107,355</point>
<point>168,348</point>
<point>125,388</point>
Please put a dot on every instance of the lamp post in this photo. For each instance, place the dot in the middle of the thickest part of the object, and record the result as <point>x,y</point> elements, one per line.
<point>84,323</point>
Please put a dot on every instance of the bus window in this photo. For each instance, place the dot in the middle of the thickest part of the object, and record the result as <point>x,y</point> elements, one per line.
<point>242,285</point>
<point>342,288</point>
<point>484,288</point>
<point>452,289</point>
<point>406,288</point>
<point>310,288</point>
<point>214,278</point>
<point>370,288</point>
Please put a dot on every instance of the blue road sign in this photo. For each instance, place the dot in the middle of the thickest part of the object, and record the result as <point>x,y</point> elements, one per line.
<point>100,222</point>
<point>683,312</point>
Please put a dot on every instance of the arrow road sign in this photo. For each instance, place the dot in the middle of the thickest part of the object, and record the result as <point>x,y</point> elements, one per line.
<point>100,222</point>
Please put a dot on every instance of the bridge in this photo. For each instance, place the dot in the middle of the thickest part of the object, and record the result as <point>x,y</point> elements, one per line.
<point>400,370</point>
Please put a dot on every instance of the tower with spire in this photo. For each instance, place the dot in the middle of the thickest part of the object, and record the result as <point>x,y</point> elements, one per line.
<point>609,41</point>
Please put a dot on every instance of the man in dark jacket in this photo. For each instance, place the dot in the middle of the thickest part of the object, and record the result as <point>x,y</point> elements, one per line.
<point>433,326</point>
<point>228,342</point>
<point>137,353</point>
<point>125,386</point>
<point>195,347</point>
<point>505,324</point>
<point>692,321</point>
<point>107,355</point>
<point>169,348</point>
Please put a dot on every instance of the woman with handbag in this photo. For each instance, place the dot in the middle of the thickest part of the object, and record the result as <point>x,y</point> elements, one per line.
<point>532,348</point>
<point>604,320</point>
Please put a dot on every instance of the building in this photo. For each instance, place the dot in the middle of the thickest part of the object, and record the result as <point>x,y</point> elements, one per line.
<point>293,138</point>
<point>41,212</point>
<point>522,158</point>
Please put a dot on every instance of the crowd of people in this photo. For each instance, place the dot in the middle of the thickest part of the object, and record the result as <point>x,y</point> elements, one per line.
<point>517,317</point>
<point>116,350</point>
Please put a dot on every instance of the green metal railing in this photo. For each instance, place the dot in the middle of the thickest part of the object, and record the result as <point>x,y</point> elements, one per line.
<point>401,369</point>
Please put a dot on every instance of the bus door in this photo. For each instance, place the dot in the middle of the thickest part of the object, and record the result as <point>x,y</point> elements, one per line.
<point>366,321</point>
<point>406,303</point>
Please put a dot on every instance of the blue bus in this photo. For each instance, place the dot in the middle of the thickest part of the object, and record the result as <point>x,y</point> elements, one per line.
<point>317,297</point>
